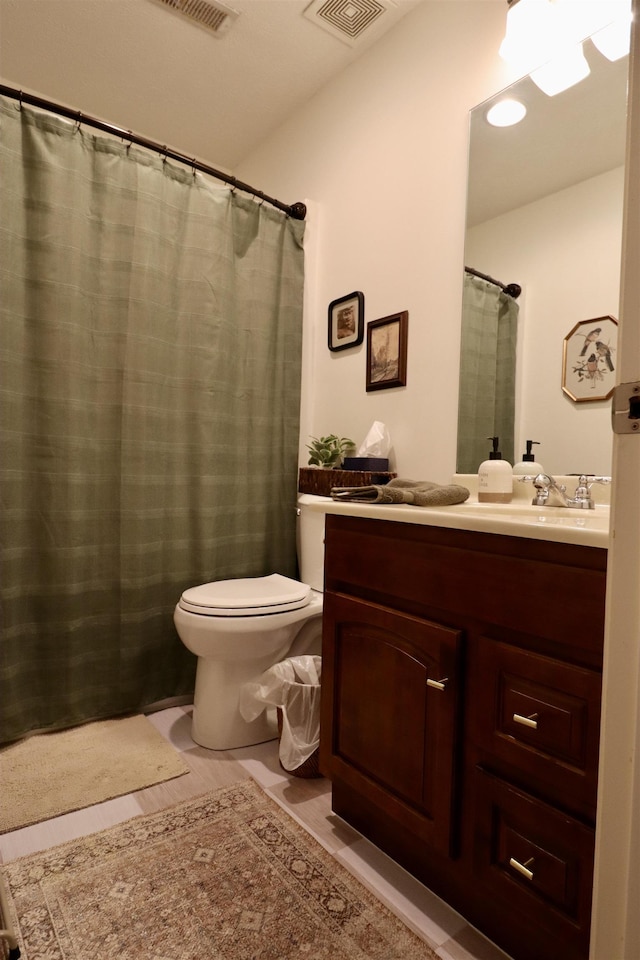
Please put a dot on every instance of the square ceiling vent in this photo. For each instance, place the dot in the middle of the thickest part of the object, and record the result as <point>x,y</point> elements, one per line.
<point>214,16</point>
<point>349,20</point>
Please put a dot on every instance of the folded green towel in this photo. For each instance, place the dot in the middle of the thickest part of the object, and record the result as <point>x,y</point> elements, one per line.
<point>420,493</point>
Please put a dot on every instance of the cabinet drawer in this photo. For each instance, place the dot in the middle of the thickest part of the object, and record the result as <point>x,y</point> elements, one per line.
<point>542,717</point>
<point>537,863</point>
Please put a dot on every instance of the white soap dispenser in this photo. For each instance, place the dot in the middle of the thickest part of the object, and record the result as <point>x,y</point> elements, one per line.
<point>495,478</point>
<point>528,465</point>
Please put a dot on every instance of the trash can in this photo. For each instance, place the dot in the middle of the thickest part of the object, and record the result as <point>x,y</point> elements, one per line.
<point>293,688</point>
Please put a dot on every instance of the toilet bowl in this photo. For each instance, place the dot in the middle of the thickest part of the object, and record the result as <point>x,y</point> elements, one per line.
<point>240,628</point>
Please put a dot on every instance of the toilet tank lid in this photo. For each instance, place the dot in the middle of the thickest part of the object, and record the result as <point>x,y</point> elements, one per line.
<point>272,591</point>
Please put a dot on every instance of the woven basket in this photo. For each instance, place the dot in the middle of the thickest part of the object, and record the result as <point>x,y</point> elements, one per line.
<point>319,482</point>
<point>311,766</point>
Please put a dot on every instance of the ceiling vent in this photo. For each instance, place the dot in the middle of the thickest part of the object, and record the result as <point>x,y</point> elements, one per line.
<point>215,16</point>
<point>348,20</point>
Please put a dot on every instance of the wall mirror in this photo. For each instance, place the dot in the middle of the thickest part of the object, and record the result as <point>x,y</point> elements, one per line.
<point>544,211</point>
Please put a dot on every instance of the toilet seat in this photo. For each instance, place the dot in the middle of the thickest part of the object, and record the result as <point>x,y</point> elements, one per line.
<point>256,596</point>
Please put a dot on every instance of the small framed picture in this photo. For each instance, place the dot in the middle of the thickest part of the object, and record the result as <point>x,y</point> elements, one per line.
<point>387,351</point>
<point>346,321</point>
<point>589,359</point>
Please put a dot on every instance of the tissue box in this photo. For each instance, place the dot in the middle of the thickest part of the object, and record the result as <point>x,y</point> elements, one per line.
<point>366,463</point>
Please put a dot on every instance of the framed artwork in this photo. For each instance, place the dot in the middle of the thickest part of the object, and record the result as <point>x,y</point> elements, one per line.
<point>589,359</point>
<point>346,321</point>
<point>387,351</point>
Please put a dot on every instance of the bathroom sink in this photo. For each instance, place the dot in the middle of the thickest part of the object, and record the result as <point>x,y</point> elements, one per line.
<point>524,519</point>
<point>520,518</point>
<point>528,513</point>
<point>520,509</point>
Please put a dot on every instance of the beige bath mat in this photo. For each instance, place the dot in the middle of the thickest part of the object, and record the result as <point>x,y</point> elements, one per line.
<point>54,773</point>
<point>226,875</point>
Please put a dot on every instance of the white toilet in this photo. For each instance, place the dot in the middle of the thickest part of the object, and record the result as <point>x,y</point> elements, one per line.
<point>240,628</point>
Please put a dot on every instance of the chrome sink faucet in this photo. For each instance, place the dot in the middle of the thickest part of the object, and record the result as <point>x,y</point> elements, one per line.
<point>550,493</point>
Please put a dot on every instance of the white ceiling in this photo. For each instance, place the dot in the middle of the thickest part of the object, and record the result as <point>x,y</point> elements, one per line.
<point>142,66</point>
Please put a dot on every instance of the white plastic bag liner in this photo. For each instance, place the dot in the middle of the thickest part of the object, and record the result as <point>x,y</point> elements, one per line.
<point>293,685</point>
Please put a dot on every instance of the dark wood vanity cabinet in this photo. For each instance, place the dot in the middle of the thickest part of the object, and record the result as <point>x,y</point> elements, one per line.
<point>460,718</point>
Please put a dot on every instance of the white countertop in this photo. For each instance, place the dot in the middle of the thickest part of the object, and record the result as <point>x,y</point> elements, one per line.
<point>517,519</point>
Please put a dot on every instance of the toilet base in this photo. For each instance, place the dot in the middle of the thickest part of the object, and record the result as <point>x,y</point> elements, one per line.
<point>217,723</point>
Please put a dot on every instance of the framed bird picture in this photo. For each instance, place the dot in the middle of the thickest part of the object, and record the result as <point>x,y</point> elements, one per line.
<point>589,360</point>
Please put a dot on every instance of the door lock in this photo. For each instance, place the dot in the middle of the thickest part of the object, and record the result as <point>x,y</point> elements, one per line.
<point>625,408</point>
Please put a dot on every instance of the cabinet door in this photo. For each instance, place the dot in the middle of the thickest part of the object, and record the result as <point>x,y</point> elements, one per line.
<point>390,712</point>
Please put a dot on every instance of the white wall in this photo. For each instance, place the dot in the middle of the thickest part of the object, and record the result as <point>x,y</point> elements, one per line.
<point>382,152</point>
<point>564,250</point>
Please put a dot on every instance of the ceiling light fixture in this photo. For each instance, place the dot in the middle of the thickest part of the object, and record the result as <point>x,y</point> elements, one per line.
<point>562,72</point>
<point>614,40</point>
<point>530,27</point>
<point>544,37</point>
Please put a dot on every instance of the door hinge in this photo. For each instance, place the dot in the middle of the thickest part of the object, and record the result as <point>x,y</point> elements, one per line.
<point>625,408</point>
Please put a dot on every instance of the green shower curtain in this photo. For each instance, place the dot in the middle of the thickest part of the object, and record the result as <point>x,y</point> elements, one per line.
<point>487,373</point>
<point>150,376</point>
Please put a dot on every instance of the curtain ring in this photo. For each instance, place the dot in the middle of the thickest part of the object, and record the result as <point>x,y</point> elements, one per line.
<point>20,101</point>
<point>164,151</point>
<point>78,121</point>
<point>193,167</point>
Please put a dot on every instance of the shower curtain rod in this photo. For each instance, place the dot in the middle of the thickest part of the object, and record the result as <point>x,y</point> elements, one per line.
<point>297,211</point>
<point>512,289</point>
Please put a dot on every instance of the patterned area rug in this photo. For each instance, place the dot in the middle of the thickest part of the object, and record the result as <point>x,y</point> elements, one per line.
<point>50,774</point>
<point>228,876</point>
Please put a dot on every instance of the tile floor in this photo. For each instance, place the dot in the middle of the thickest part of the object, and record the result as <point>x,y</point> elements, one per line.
<point>307,801</point>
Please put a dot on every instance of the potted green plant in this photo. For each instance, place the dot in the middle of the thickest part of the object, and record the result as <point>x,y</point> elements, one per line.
<point>328,451</point>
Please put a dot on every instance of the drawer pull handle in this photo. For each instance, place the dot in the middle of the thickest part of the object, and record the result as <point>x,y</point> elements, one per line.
<point>522,867</point>
<point>437,684</point>
<point>530,721</point>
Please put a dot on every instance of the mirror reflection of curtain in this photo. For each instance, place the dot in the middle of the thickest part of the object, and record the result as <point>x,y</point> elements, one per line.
<point>151,357</point>
<point>487,373</point>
